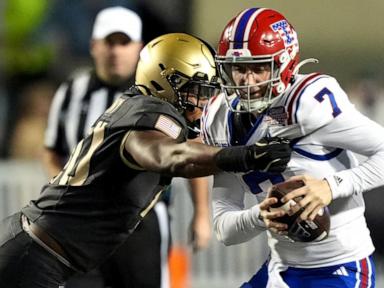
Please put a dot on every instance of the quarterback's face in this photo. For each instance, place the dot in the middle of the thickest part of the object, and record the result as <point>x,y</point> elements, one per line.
<point>252,74</point>
<point>115,57</point>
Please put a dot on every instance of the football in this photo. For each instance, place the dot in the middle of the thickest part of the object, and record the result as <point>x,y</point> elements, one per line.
<point>298,230</point>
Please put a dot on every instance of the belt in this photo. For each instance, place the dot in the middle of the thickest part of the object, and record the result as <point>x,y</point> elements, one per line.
<point>45,240</point>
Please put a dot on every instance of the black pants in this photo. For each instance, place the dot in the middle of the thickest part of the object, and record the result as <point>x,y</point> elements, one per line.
<point>25,264</point>
<point>136,264</point>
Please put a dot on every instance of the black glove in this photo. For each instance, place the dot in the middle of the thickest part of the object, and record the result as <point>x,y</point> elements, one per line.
<point>267,155</point>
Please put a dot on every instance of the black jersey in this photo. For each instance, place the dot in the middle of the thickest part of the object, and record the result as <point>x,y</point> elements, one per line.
<point>101,194</point>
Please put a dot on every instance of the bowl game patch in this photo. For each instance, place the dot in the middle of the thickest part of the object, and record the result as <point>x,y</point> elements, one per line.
<point>277,116</point>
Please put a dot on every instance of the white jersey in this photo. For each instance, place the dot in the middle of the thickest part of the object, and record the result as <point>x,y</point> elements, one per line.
<point>316,115</point>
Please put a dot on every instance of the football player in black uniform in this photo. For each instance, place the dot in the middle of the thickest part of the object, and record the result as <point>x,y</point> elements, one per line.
<point>116,173</point>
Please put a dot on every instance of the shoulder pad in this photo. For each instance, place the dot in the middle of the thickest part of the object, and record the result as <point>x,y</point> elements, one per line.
<point>315,101</point>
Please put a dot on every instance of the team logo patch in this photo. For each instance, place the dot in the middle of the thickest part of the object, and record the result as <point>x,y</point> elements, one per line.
<point>284,29</point>
<point>238,53</point>
<point>168,126</point>
<point>277,116</point>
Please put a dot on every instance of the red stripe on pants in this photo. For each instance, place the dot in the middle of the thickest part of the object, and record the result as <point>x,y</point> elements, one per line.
<point>364,273</point>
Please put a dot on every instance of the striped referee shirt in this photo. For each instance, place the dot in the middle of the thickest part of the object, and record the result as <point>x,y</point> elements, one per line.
<point>76,105</point>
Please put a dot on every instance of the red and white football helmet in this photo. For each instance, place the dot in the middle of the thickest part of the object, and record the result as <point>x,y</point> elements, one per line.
<point>258,35</point>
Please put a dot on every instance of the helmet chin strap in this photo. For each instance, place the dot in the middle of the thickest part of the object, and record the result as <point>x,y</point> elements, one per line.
<point>189,106</point>
<point>257,105</point>
<point>193,129</point>
<point>260,104</point>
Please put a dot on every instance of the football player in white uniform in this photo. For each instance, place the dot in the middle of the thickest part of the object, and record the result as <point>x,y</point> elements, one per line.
<point>264,95</point>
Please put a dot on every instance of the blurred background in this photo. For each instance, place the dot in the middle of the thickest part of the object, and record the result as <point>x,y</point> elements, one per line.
<point>43,41</point>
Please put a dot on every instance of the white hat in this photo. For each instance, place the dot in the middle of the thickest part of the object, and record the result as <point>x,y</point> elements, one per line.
<point>117,19</point>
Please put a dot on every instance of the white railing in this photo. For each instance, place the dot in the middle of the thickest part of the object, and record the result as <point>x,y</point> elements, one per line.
<point>20,181</point>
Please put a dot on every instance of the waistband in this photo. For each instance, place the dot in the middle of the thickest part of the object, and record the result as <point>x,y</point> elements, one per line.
<point>46,241</point>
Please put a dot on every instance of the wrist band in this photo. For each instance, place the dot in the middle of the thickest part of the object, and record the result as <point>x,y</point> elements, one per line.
<point>233,159</point>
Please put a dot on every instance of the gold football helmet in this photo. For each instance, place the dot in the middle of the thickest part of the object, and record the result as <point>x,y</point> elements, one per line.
<point>174,66</point>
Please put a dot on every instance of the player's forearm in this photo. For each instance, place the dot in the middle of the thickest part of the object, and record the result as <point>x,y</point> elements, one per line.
<point>365,137</point>
<point>199,190</point>
<point>366,176</point>
<point>233,224</point>
<point>235,227</point>
<point>155,151</point>
<point>200,229</point>
<point>193,160</point>
<point>189,160</point>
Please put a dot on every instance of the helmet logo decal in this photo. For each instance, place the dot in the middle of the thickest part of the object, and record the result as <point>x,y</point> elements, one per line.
<point>286,32</point>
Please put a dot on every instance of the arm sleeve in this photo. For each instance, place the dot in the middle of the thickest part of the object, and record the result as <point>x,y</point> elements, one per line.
<point>357,133</point>
<point>233,224</point>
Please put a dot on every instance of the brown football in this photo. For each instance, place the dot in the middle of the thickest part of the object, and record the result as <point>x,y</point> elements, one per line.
<point>298,230</point>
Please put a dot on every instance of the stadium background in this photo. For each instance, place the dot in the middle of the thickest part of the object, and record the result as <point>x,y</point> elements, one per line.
<point>42,41</point>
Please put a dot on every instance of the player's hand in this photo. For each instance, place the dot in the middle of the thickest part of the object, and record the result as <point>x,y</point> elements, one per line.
<point>316,195</point>
<point>270,154</point>
<point>267,155</point>
<point>200,232</point>
<point>270,217</point>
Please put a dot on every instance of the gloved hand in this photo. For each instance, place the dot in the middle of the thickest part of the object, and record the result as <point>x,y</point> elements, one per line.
<point>267,155</point>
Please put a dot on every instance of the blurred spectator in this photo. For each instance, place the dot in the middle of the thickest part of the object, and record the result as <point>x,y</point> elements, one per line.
<point>69,26</point>
<point>32,115</point>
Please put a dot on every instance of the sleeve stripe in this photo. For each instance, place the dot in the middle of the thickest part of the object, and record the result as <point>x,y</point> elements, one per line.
<point>295,95</point>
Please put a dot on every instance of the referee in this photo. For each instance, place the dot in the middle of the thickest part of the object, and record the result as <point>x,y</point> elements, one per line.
<point>115,47</point>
